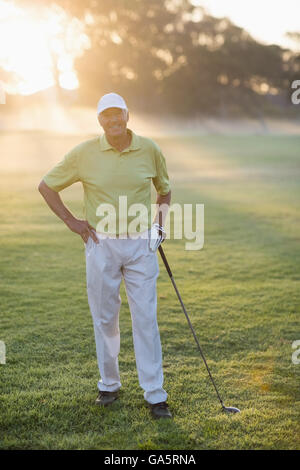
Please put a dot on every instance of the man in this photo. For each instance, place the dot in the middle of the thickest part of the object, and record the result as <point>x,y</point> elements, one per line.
<point>119,163</point>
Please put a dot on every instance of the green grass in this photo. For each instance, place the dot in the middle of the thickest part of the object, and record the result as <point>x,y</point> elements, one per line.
<point>241,291</point>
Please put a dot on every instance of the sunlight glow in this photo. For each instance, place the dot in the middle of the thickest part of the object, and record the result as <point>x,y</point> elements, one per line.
<point>36,46</point>
<point>266,21</point>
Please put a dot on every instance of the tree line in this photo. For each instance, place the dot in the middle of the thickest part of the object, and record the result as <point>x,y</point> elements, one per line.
<point>172,57</point>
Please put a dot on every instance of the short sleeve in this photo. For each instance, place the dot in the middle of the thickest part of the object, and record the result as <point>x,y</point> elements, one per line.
<point>161,180</point>
<point>64,173</point>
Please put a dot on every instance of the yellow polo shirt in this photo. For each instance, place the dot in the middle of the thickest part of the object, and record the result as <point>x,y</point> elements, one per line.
<point>117,179</point>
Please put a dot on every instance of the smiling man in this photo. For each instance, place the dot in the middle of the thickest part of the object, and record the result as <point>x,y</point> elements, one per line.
<point>118,164</point>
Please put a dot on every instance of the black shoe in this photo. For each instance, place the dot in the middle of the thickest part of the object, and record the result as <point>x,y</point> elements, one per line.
<point>160,410</point>
<point>106,398</point>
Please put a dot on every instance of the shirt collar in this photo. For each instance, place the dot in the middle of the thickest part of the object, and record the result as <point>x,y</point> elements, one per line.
<point>134,145</point>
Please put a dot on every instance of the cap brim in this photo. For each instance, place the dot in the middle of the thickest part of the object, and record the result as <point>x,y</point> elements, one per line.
<point>103,108</point>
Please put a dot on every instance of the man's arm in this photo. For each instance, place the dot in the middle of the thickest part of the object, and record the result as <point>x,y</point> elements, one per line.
<point>52,198</point>
<point>163,203</point>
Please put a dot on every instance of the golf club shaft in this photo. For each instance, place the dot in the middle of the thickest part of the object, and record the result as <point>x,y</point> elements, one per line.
<point>162,254</point>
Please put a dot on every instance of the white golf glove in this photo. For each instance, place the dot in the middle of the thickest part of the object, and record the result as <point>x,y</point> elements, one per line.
<point>157,236</point>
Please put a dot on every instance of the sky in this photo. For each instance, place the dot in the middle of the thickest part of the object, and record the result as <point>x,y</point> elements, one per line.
<point>265,20</point>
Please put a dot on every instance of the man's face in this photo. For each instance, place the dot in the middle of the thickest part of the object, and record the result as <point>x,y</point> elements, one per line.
<point>114,121</point>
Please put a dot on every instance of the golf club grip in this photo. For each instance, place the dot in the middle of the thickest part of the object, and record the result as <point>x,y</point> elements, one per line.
<point>161,251</point>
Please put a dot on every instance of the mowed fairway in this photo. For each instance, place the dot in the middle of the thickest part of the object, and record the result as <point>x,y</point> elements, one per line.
<point>242,293</point>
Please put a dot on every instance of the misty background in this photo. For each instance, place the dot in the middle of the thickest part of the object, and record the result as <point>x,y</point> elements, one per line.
<point>177,66</point>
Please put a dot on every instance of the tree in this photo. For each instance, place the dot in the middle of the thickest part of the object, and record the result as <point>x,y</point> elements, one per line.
<point>172,56</point>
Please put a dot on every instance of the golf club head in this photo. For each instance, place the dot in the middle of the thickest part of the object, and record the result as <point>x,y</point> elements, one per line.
<point>231,409</point>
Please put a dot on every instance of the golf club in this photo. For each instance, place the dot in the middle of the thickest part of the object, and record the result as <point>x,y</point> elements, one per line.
<point>227,409</point>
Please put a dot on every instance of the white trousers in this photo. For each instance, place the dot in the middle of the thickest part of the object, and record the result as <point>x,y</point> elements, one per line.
<point>106,264</point>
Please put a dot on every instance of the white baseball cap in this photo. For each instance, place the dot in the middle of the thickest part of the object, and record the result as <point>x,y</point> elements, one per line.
<point>111,100</point>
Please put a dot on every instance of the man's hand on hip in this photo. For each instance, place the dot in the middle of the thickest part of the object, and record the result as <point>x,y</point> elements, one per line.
<point>83,228</point>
